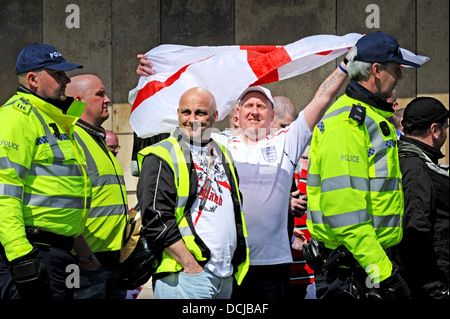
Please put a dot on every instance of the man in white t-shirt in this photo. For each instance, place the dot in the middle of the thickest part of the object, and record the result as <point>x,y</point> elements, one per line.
<point>191,207</point>
<point>266,164</point>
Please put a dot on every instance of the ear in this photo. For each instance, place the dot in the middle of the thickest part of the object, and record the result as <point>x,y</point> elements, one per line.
<point>32,79</point>
<point>236,120</point>
<point>77,97</point>
<point>395,105</point>
<point>216,115</point>
<point>434,130</point>
<point>376,69</point>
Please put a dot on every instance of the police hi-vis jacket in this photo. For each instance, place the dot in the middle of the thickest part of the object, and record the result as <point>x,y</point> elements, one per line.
<point>43,176</point>
<point>354,181</point>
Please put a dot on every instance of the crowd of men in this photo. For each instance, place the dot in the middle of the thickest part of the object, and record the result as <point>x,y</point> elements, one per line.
<point>215,206</point>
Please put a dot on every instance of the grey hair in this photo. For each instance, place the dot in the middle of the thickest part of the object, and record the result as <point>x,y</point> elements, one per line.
<point>359,70</point>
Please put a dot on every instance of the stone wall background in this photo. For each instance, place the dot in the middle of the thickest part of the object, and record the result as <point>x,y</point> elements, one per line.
<point>112,32</point>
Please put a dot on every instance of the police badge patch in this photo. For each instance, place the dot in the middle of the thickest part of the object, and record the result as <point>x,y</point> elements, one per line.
<point>269,154</point>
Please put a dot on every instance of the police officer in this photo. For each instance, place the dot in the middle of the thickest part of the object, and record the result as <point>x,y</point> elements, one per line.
<point>107,217</point>
<point>44,187</point>
<point>355,199</point>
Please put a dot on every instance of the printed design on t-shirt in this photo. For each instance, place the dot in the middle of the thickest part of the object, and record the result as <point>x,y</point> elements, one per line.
<point>269,154</point>
<point>212,187</point>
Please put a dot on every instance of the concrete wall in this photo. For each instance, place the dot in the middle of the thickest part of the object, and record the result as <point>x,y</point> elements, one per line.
<point>112,32</point>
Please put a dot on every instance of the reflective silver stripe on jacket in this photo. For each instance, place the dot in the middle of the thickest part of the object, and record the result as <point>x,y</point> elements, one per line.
<point>379,146</point>
<point>11,190</point>
<point>186,231</point>
<point>105,211</point>
<point>57,170</point>
<point>6,163</point>
<point>345,181</point>
<point>64,202</point>
<point>337,112</point>
<point>358,183</point>
<point>353,218</point>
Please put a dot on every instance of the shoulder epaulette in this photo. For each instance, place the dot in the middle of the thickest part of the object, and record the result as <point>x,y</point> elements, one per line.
<point>22,105</point>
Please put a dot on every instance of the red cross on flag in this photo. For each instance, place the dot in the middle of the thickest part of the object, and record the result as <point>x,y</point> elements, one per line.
<point>226,71</point>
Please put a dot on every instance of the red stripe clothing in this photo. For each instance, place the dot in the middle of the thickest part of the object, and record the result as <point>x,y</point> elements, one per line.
<point>301,273</point>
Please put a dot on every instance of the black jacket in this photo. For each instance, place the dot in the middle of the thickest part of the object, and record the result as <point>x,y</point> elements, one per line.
<point>423,252</point>
<point>157,193</point>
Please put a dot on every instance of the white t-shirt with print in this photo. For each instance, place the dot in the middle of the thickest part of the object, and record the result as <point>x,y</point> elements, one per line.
<point>214,220</point>
<point>265,177</point>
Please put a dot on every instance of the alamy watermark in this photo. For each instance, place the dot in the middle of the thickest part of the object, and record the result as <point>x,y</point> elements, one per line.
<point>373,19</point>
<point>73,279</point>
<point>73,19</point>
<point>374,272</point>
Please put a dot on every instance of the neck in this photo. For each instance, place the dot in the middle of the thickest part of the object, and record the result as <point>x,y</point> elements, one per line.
<point>253,136</point>
<point>63,105</point>
<point>358,91</point>
<point>92,129</point>
<point>93,122</point>
<point>426,140</point>
<point>195,140</point>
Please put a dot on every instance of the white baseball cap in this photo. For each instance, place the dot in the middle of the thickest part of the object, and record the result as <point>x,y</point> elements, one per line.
<point>260,89</point>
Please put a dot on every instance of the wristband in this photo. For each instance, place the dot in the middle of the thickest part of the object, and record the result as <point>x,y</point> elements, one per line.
<point>86,260</point>
<point>342,69</point>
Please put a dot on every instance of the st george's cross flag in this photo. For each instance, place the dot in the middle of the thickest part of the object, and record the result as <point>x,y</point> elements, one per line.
<point>226,71</point>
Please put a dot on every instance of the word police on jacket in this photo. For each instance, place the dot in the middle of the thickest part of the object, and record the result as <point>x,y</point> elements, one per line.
<point>350,158</point>
<point>9,144</point>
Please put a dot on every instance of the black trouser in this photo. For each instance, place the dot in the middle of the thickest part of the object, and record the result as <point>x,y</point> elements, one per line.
<point>344,280</point>
<point>264,283</point>
<point>56,260</point>
<point>336,284</point>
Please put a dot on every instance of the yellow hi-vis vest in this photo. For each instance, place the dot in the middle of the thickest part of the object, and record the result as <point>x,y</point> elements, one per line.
<point>171,151</point>
<point>43,174</point>
<point>354,187</point>
<point>109,208</point>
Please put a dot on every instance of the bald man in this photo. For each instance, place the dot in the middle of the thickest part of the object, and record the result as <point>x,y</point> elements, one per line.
<point>197,223</point>
<point>91,90</point>
<point>112,141</point>
<point>285,112</point>
<point>107,218</point>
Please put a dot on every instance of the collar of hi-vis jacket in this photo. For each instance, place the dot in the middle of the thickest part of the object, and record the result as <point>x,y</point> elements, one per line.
<point>360,93</point>
<point>67,121</point>
<point>69,106</point>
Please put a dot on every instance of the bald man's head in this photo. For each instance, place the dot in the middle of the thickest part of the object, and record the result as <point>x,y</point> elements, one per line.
<point>197,112</point>
<point>285,112</point>
<point>89,89</point>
